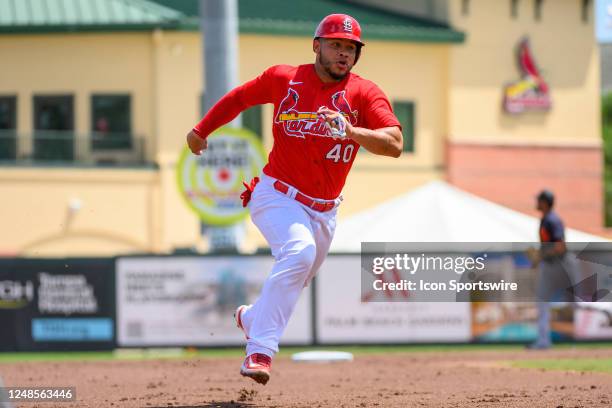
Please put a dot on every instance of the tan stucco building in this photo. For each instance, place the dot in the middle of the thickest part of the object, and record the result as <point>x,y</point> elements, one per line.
<point>123,198</point>
<point>509,158</point>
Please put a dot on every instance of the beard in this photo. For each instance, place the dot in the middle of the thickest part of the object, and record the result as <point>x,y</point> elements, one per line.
<point>327,66</point>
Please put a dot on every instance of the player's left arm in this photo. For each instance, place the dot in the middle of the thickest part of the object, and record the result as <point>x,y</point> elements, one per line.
<point>387,141</point>
<point>380,131</point>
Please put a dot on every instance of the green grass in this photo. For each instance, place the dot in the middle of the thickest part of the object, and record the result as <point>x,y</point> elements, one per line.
<point>147,354</point>
<point>582,364</point>
<point>19,357</point>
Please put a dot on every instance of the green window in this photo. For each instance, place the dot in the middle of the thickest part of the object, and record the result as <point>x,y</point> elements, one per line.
<point>251,119</point>
<point>111,119</point>
<point>465,7</point>
<point>54,127</point>
<point>514,5</point>
<point>405,113</point>
<point>537,12</point>
<point>8,126</point>
<point>586,10</point>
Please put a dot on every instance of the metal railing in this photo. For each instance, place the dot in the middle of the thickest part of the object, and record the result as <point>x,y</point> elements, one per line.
<point>69,148</point>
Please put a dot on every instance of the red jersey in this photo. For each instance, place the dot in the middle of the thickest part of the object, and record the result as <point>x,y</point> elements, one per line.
<point>304,154</point>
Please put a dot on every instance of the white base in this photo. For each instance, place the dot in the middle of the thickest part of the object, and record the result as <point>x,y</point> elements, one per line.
<point>321,356</point>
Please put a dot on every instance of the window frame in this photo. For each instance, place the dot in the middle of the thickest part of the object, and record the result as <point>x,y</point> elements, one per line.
<point>408,129</point>
<point>13,101</point>
<point>585,11</point>
<point>96,145</point>
<point>537,9</point>
<point>8,139</point>
<point>465,8</point>
<point>514,9</point>
<point>66,147</point>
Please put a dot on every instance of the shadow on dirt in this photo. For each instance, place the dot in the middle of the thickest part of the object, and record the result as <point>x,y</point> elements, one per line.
<point>214,404</point>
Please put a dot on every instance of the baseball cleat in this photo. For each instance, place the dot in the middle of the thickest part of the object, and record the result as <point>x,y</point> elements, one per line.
<point>238,317</point>
<point>257,366</point>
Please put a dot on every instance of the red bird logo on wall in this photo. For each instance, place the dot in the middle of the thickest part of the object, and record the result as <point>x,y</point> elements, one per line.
<point>531,92</point>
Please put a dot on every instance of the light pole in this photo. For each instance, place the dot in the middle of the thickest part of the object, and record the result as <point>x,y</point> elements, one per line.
<point>219,28</point>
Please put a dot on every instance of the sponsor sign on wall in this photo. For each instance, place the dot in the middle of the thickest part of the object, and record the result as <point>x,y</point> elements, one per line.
<point>593,320</point>
<point>191,300</point>
<point>57,304</point>
<point>342,317</point>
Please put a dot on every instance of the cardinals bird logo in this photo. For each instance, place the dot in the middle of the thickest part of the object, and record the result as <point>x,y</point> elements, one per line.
<point>531,92</point>
<point>299,124</point>
<point>287,105</point>
<point>341,105</point>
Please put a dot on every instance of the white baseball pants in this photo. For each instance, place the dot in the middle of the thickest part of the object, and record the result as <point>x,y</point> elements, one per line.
<point>299,238</point>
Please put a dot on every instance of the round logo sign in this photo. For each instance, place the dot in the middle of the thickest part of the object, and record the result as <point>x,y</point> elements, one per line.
<point>212,182</point>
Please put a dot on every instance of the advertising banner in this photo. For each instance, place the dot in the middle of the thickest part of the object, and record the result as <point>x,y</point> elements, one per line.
<point>57,304</point>
<point>344,317</point>
<point>517,321</point>
<point>593,321</point>
<point>190,301</point>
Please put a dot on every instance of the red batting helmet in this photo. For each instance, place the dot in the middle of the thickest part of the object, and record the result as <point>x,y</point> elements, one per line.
<point>339,26</point>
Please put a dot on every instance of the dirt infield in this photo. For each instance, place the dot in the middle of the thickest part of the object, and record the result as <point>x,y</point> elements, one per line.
<point>428,379</point>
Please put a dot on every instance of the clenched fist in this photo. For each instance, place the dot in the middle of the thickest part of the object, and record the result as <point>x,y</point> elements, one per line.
<point>337,125</point>
<point>196,144</point>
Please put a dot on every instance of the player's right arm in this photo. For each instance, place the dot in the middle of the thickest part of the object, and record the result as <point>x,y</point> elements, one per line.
<point>255,92</point>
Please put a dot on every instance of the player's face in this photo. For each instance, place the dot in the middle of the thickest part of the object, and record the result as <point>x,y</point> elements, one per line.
<point>336,56</point>
<point>543,206</point>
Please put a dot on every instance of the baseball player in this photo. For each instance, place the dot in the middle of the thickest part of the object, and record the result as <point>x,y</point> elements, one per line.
<point>323,113</point>
<point>554,264</point>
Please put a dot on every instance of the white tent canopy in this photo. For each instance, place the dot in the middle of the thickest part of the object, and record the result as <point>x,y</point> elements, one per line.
<point>439,212</point>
